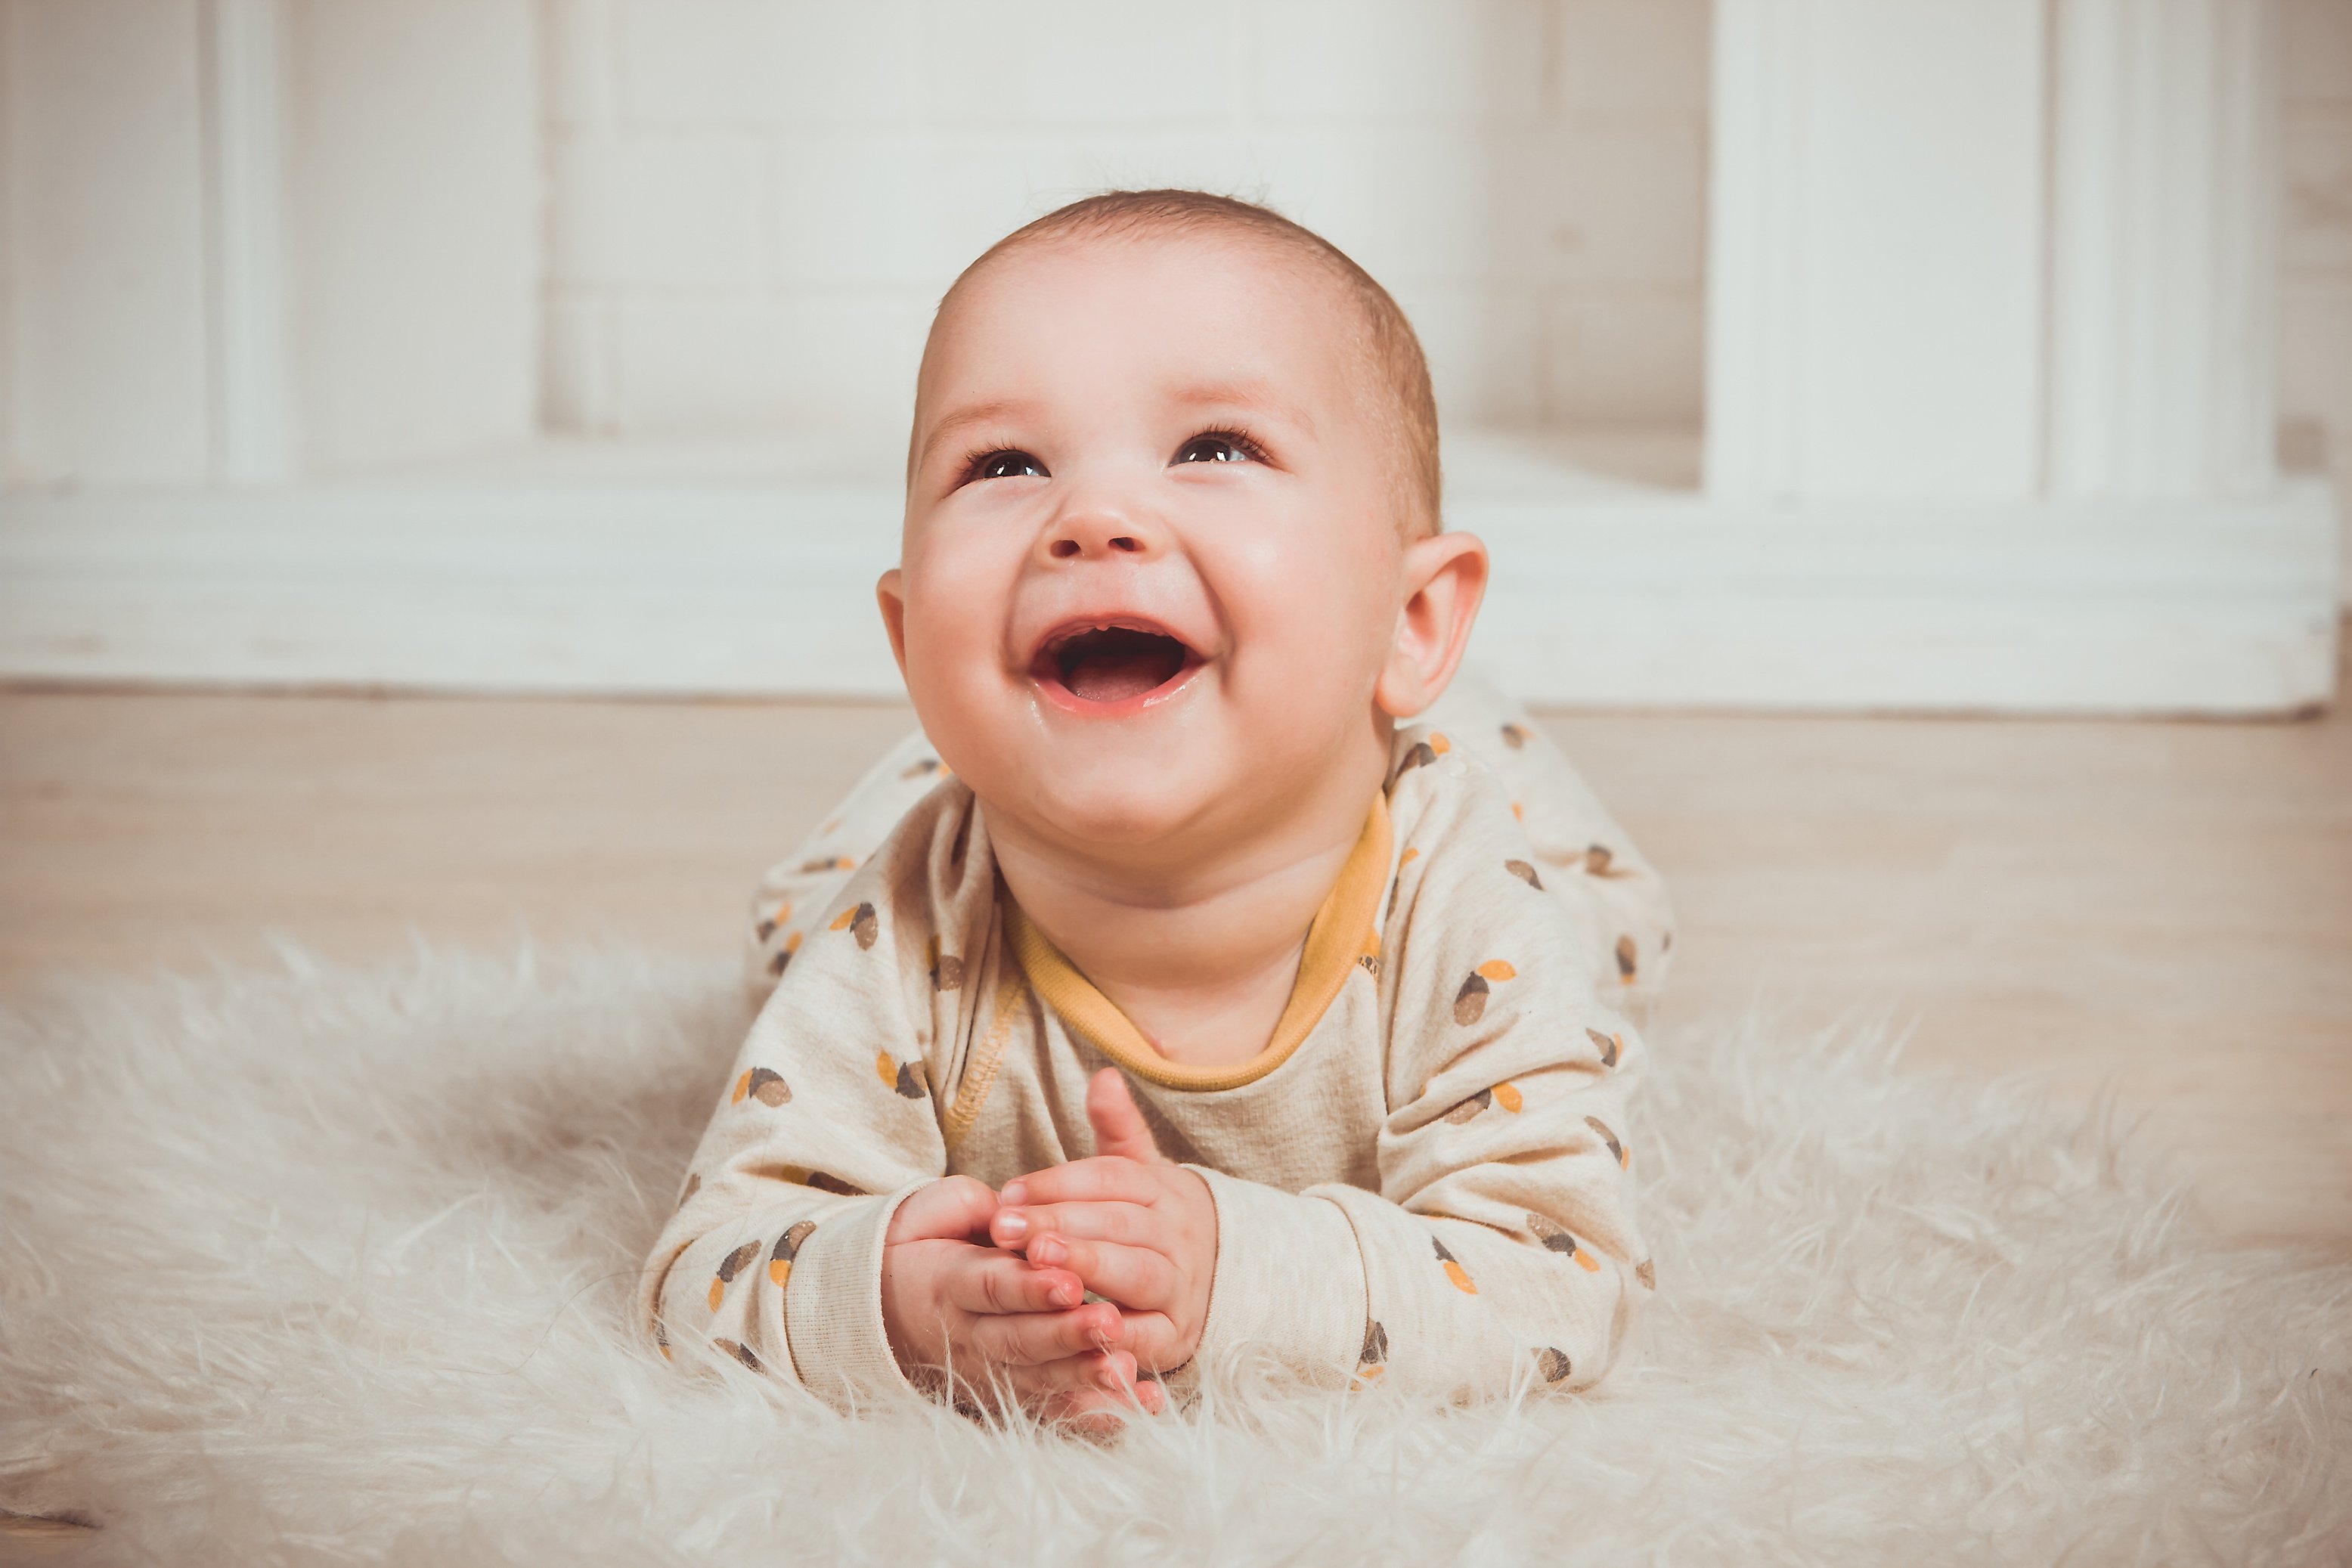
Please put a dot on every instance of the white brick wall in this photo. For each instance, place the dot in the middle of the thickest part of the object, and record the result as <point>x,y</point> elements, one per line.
<point>2315,249</point>
<point>754,203</point>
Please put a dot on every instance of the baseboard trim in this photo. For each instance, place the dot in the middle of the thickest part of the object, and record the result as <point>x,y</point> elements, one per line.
<point>1640,599</point>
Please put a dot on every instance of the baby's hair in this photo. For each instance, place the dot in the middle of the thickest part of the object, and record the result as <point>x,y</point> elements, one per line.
<point>1387,341</point>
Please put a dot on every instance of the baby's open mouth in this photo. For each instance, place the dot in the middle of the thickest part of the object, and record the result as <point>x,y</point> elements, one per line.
<point>1111,664</point>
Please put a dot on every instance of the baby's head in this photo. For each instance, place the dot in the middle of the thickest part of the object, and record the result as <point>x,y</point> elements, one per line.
<point>1172,566</point>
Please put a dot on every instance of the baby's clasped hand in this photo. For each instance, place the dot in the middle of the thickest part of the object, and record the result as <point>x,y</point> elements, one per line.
<point>1138,1230</point>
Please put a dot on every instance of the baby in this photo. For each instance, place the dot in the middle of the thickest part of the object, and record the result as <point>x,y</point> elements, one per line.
<point>1173,994</point>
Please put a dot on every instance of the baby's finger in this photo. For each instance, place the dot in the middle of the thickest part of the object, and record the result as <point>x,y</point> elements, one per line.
<point>1136,1278</point>
<point>952,1209</point>
<point>1093,1389</point>
<point>998,1282</point>
<point>1133,1224</point>
<point>1104,1178</point>
<point>1033,1338</point>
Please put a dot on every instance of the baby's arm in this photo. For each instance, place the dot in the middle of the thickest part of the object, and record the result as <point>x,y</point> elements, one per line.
<point>817,1239</point>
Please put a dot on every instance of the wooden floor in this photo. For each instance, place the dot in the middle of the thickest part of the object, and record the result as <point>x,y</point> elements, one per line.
<point>2165,908</point>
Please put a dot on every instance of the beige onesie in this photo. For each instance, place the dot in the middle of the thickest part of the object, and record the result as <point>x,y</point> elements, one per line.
<point>1422,1178</point>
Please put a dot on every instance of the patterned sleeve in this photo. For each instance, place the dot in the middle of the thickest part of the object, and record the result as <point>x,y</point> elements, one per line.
<point>1501,1243</point>
<point>804,885</point>
<point>828,1120</point>
<point>1589,863</point>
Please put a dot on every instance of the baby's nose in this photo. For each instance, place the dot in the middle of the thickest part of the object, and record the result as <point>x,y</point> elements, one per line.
<point>1100,531</point>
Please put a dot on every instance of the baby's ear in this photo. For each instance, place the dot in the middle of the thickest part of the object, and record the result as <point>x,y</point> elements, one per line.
<point>1445,579</point>
<point>893,600</point>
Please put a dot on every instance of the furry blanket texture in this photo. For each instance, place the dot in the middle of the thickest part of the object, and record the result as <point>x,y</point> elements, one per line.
<point>317,1266</point>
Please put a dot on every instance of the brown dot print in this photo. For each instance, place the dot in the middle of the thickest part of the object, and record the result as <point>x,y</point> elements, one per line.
<point>740,1353</point>
<point>947,968</point>
<point>788,1246</point>
<point>828,863</point>
<point>1471,1107</point>
<point>859,922</point>
<point>1453,1270</point>
<point>767,928</point>
<point>1470,1002</point>
<point>1626,954</point>
<point>693,1185</point>
<point>1646,1271</point>
<point>1616,1150</point>
<point>824,1182</point>
<point>1556,1239</point>
<point>1421,756</point>
<point>1525,873</point>
<point>1369,963</point>
<point>927,765</point>
<point>779,959</point>
<point>1596,857</point>
<point>1514,736</point>
<point>1553,1363</point>
<point>661,1339</point>
<point>907,1077</point>
<point>731,1265</point>
<point>765,1085</point>
<point>1608,1046</point>
<point>1376,1348</point>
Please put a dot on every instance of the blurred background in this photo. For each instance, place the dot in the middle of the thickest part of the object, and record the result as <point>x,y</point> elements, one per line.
<point>448,445</point>
<point>1927,354</point>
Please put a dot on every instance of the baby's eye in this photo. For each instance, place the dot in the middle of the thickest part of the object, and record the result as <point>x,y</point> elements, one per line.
<point>1006,466</point>
<point>1216,446</point>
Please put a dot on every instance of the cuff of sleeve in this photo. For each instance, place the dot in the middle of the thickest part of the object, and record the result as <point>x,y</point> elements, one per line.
<point>1289,1278</point>
<point>833,1307</point>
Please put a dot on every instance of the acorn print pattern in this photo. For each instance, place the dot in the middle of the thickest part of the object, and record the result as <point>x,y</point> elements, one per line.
<point>1525,873</point>
<point>1553,1363</point>
<point>1396,889</point>
<point>763,1084</point>
<point>860,922</point>
<point>1453,1270</point>
<point>1470,1002</point>
<point>1506,1095</point>
<point>783,955</point>
<point>927,765</point>
<point>1646,1271</point>
<point>1514,737</point>
<point>1371,1363</point>
<point>821,1181</point>
<point>731,1265</point>
<point>1616,1150</point>
<point>1424,753</point>
<point>947,968</point>
<point>1609,1045</point>
<point>1627,953</point>
<point>767,928</point>
<point>1556,1239</point>
<point>828,863</point>
<point>907,1077</point>
<point>788,1246</point>
<point>740,1353</point>
<point>661,1339</point>
<point>1596,857</point>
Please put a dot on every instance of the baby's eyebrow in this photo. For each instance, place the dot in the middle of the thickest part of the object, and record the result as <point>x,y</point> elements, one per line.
<point>1244,394</point>
<point>1001,410</point>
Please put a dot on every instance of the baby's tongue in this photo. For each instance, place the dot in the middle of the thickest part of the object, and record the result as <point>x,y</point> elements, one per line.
<point>1112,677</point>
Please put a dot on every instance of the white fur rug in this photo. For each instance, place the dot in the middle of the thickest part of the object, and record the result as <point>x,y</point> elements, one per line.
<point>315,1266</point>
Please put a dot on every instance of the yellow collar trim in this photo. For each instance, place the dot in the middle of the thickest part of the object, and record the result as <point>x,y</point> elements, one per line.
<point>1342,934</point>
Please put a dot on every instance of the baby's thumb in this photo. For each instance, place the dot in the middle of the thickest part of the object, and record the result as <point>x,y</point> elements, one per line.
<point>1120,1126</point>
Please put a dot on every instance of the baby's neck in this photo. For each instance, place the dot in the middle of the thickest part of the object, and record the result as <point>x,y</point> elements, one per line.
<point>1203,961</point>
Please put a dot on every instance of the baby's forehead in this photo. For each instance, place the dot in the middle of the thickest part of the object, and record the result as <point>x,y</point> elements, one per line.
<point>1313,310</point>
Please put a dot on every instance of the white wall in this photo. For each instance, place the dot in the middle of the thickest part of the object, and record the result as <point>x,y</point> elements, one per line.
<point>754,203</point>
<point>2315,249</point>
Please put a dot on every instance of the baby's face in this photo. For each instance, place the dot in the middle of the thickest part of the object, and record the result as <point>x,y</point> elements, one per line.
<point>1153,565</point>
